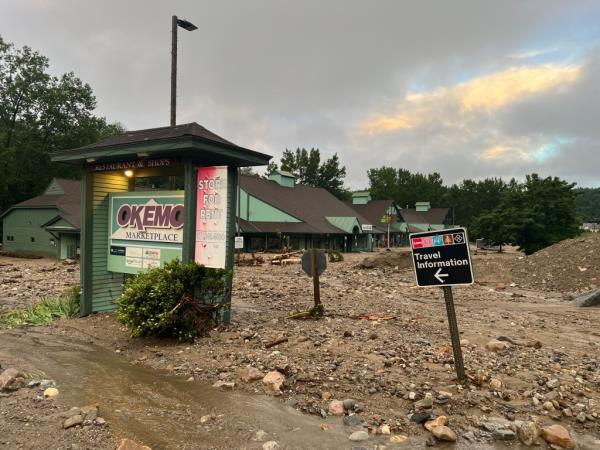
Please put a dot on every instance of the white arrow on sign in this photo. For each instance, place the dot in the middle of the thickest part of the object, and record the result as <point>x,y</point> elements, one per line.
<point>439,275</point>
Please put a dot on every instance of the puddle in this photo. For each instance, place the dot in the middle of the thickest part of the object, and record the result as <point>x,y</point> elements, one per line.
<point>163,410</point>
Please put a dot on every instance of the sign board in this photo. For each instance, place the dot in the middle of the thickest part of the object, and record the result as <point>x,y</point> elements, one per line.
<point>366,227</point>
<point>239,242</point>
<point>211,217</point>
<point>307,262</point>
<point>132,165</point>
<point>442,258</point>
<point>145,229</point>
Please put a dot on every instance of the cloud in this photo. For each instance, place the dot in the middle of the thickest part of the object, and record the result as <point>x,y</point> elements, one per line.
<point>484,94</point>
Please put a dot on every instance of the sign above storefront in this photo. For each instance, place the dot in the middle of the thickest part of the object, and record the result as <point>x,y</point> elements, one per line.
<point>132,165</point>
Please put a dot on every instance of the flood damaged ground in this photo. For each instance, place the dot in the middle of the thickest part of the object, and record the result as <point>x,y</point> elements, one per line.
<point>383,343</point>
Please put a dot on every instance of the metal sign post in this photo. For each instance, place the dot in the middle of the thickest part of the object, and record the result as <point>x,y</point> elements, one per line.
<point>314,264</point>
<point>315,276</point>
<point>442,258</point>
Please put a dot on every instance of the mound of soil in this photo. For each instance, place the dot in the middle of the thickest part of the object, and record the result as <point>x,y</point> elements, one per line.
<point>393,259</point>
<point>570,266</point>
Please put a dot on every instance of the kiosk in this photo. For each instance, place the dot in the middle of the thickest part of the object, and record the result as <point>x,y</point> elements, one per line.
<point>150,196</point>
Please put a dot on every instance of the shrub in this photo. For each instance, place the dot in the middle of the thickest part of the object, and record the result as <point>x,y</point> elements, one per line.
<point>178,300</point>
<point>335,256</point>
<point>45,311</point>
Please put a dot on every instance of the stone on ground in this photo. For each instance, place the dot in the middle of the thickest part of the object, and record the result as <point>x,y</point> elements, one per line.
<point>73,421</point>
<point>271,445</point>
<point>11,380</point>
<point>336,408</point>
<point>128,444</point>
<point>443,433</point>
<point>591,298</point>
<point>438,422</point>
<point>529,433</point>
<point>558,435</point>
<point>51,392</point>
<point>496,346</point>
<point>398,439</point>
<point>274,380</point>
<point>249,374</point>
<point>226,385</point>
<point>358,436</point>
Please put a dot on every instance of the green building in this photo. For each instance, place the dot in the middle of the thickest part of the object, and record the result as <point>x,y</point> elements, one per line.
<point>46,225</point>
<point>276,214</point>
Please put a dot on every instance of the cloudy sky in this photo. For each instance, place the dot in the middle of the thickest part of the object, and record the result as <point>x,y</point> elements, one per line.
<point>468,89</point>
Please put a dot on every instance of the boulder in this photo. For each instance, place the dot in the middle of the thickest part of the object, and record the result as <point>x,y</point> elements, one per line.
<point>443,433</point>
<point>529,433</point>
<point>128,444</point>
<point>11,380</point>
<point>558,435</point>
<point>274,380</point>
<point>591,298</point>
<point>336,408</point>
<point>249,374</point>
<point>358,436</point>
<point>73,421</point>
<point>439,422</point>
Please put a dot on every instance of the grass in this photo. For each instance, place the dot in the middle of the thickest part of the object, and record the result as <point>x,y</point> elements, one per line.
<point>45,311</point>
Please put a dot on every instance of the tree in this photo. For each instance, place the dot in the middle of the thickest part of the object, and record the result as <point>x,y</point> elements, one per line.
<point>406,188</point>
<point>248,171</point>
<point>532,215</point>
<point>588,204</point>
<point>40,113</point>
<point>308,169</point>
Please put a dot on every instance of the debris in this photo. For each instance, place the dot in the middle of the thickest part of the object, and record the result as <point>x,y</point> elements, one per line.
<point>443,433</point>
<point>128,444</point>
<point>558,435</point>
<point>274,380</point>
<point>276,342</point>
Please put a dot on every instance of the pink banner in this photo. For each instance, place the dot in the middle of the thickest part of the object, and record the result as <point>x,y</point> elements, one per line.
<point>211,216</point>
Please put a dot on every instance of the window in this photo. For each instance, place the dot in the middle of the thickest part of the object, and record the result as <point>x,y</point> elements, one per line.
<point>32,239</point>
<point>10,238</point>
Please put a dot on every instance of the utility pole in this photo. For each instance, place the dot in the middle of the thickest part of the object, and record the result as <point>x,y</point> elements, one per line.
<point>186,25</point>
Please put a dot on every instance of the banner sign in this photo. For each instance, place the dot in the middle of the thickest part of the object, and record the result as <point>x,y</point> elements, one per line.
<point>211,217</point>
<point>132,165</point>
<point>145,229</point>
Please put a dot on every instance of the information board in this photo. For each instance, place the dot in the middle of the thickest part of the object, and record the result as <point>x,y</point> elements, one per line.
<point>145,229</point>
<point>442,258</point>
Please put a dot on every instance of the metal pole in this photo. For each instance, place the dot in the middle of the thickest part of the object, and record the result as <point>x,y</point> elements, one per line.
<point>315,274</point>
<point>173,69</point>
<point>454,336</point>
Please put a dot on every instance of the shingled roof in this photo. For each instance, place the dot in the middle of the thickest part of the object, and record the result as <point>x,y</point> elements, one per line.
<point>412,217</point>
<point>311,205</point>
<point>68,203</point>
<point>373,211</point>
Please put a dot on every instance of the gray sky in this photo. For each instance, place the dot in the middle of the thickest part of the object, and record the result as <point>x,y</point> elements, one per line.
<point>468,89</point>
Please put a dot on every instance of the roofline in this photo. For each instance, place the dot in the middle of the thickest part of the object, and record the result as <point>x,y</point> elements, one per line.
<point>271,205</point>
<point>17,206</point>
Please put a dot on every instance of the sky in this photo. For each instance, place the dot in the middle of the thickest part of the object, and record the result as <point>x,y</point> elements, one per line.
<point>469,89</point>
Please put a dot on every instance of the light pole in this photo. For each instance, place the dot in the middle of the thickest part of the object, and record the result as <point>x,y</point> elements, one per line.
<point>189,26</point>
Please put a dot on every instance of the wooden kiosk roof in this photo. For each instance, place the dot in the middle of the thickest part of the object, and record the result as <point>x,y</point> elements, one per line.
<point>186,140</point>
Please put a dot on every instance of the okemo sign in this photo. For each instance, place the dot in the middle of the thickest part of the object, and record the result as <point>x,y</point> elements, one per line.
<point>145,229</point>
<point>136,222</point>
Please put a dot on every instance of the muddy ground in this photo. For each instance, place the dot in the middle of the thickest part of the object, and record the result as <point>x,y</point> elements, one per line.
<point>384,343</point>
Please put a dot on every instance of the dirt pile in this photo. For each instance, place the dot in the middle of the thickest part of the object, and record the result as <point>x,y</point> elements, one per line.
<point>570,266</point>
<point>397,258</point>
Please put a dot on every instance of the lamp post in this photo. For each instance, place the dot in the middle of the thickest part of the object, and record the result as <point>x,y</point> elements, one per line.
<point>186,25</point>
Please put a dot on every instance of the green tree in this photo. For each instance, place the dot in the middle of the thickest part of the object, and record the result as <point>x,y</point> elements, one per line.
<point>308,169</point>
<point>532,215</point>
<point>588,204</point>
<point>406,188</point>
<point>40,113</point>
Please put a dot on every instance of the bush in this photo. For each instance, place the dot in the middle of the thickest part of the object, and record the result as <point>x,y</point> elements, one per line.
<point>45,311</point>
<point>178,300</point>
<point>335,256</point>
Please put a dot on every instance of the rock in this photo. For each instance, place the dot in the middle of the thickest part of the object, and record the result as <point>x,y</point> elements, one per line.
<point>420,417</point>
<point>225,385</point>
<point>100,421</point>
<point>349,404</point>
<point>128,444</point>
<point>412,395</point>
<point>249,374</point>
<point>431,441</point>
<point>89,412</point>
<point>548,406</point>
<point>591,298</point>
<point>529,433</point>
<point>443,433</point>
<point>495,384</point>
<point>72,421</point>
<point>11,380</point>
<point>274,380</point>
<point>353,421</point>
<point>503,434</point>
<point>581,417</point>
<point>45,384</point>
<point>385,429</point>
<point>558,435</point>
<point>260,435</point>
<point>496,346</point>
<point>464,342</point>
<point>72,412</point>
<point>426,403</point>
<point>336,408</point>
<point>367,263</point>
<point>358,436</point>
<point>206,418</point>
<point>50,392</point>
<point>553,384</point>
<point>326,395</point>
<point>398,439</point>
<point>271,445</point>
<point>438,422</point>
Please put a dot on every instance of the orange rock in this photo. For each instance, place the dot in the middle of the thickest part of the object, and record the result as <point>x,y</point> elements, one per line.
<point>439,422</point>
<point>558,435</point>
<point>128,444</point>
<point>326,395</point>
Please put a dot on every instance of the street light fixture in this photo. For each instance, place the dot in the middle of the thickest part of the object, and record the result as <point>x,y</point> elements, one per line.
<point>189,26</point>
